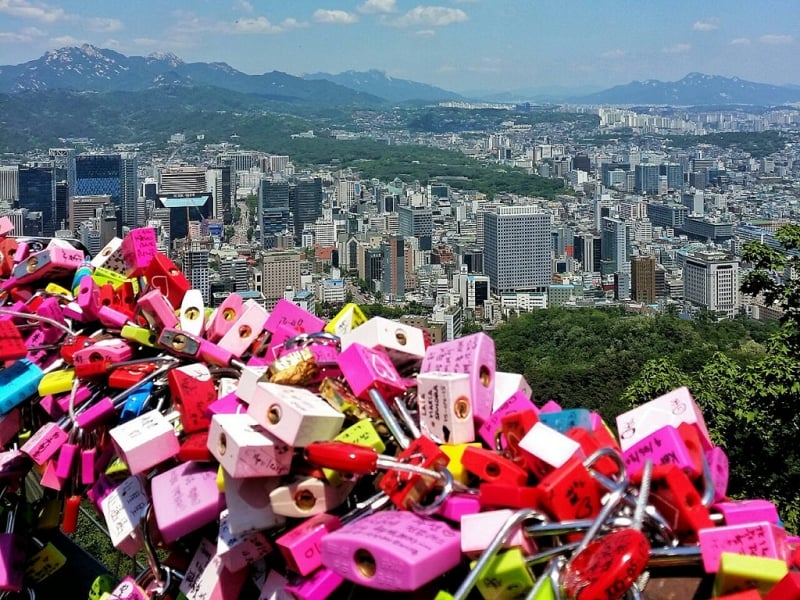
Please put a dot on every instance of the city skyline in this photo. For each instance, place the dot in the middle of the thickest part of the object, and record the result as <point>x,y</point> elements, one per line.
<point>460,45</point>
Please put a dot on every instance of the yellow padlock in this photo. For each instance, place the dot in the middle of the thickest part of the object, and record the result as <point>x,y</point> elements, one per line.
<point>456,452</point>
<point>347,319</point>
<point>56,290</point>
<point>739,572</point>
<point>56,382</point>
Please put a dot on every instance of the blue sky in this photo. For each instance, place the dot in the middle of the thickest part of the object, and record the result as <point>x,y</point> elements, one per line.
<point>460,45</point>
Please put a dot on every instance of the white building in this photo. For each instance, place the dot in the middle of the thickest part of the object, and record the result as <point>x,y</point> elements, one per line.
<point>711,280</point>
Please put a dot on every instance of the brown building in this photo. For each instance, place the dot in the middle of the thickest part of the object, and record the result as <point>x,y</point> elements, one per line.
<point>643,279</point>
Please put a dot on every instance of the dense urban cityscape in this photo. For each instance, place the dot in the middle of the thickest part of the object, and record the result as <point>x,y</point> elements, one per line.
<point>640,223</point>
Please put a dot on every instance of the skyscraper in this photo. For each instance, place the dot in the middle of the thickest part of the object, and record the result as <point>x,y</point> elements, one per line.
<point>196,269</point>
<point>646,181</point>
<point>394,267</point>
<point>37,193</point>
<point>516,250</point>
<point>132,212</point>
<point>281,270</point>
<point>643,279</point>
<point>9,183</point>
<point>614,246</point>
<point>64,158</point>
<point>98,174</point>
<point>273,209</point>
<point>305,201</point>
<point>416,221</point>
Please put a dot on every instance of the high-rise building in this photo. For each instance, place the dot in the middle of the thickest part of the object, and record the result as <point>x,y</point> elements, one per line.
<point>98,175</point>
<point>195,267</point>
<point>614,246</point>
<point>516,248</point>
<point>9,183</point>
<point>280,270</point>
<point>235,269</point>
<point>182,180</point>
<point>64,159</point>
<point>393,281</point>
<point>646,179</point>
<point>413,221</point>
<point>84,208</point>
<point>132,209</point>
<point>674,174</point>
<point>667,215</point>
<point>273,209</point>
<point>305,202</point>
<point>61,206</point>
<point>37,193</point>
<point>711,281</point>
<point>643,279</point>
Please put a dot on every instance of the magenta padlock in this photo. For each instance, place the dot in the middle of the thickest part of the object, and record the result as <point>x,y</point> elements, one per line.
<point>456,506</point>
<point>66,459</point>
<point>673,408</point>
<point>473,354</point>
<point>289,314</point>
<point>112,318</point>
<point>275,347</point>
<point>155,307</point>
<point>294,415</point>
<point>209,579</point>
<point>223,317</point>
<point>82,394</point>
<point>51,263</point>
<point>308,496</point>
<point>239,551</point>
<point>403,344</point>
<point>489,429</point>
<point>766,540</point>
<point>123,508</point>
<point>12,556</point>
<point>110,257</point>
<point>300,547</point>
<point>245,329</point>
<point>43,444</point>
<point>507,385</point>
<point>663,446</point>
<point>445,407</point>
<point>145,441</point>
<point>185,498</point>
<point>742,512</point>
<point>10,426</point>
<point>229,404</point>
<point>319,585</point>
<point>717,462</point>
<point>246,449</point>
<point>88,474</point>
<point>138,249</point>
<point>49,479</point>
<point>100,490</point>
<point>248,504</point>
<point>88,299</point>
<point>49,405</point>
<point>393,551</point>
<point>47,333</point>
<point>550,406</point>
<point>479,529</point>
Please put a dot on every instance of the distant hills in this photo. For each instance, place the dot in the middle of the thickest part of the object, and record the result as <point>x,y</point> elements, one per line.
<point>91,69</point>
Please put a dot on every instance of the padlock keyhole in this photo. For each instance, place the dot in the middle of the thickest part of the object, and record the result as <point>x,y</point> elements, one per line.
<point>461,408</point>
<point>32,264</point>
<point>274,414</point>
<point>229,314</point>
<point>365,563</point>
<point>400,336</point>
<point>245,331</point>
<point>493,469</point>
<point>222,444</point>
<point>305,499</point>
<point>485,375</point>
<point>192,313</point>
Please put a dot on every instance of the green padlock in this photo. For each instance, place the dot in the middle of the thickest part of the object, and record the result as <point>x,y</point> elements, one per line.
<point>101,585</point>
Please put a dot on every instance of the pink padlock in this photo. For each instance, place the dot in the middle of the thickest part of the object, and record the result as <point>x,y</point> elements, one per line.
<point>319,585</point>
<point>239,551</point>
<point>185,498</point>
<point>742,512</point>
<point>223,317</point>
<point>155,307</point>
<point>766,540</point>
<point>478,530</point>
<point>308,496</point>
<point>138,249</point>
<point>663,446</point>
<point>289,314</point>
<point>718,466</point>
<point>507,385</point>
<point>300,547</point>
<point>490,427</point>
<point>245,329</point>
<point>457,506</point>
<point>52,263</point>
<point>392,551</point>
<point>43,444</point>
<point>445,407</point>
<point>246,449</point>
<point>88,298</point>
<point>123,508</point>
<point>208,578</point>
<point>145,441</point>
<point>110,350</point>
<point>550,406</point>
<point>473,354</point>
<point>403,344</point>
<point>128,589</point>
<point>294,415</point>
<point>368,369</point>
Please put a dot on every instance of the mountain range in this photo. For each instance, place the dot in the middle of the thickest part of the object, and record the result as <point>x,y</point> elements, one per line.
<point>88,68</point>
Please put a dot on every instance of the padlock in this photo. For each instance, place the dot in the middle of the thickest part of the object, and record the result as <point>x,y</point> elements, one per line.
<point>192,390</point>
<point>717,462</point>
<point>12,346</point>
<point>138,248</point>
<point>124,507</point>
<point>294,368</point>
<point>599,439</point>
<point>128,589</point>
<point>743,512</point>
<point>290,315</point>
<point>545,449</point>
<point>362,433</point>
<point>164,275</point>
<point>52,263</point>
<point>56,382</point>
<point>192,313</point>
<point>348,318</point>
<point>245,329</point>
<point>8,251</point>
<point>248,504</point>
<point>145,441</point>
<point>403,344</point>
<point>295,416</point>
<point>110,257</point>
<point>157,310</point>
<point>753,539</point>
<point>45,560</point>
<point>18,382</point>
<point>223,317</point>
<point>307,496</point>
<point>208,577</point>
<point>473,354</point>
<point>12,554</point>
<point>122,378</point>
<point>44,444</point>
<point>492,467</point>
<point>738,572</point>
<point>10,426</point>
<point>246,449</point>
<point>507,385</point>
<point>300,547</point>
<point>68,454</point>
<point>108,350</point>
<point>663,446</point>
<point>564,420</point>
<point>445,407</point>
<point>185,498</point>
<point>393,551</point>
<point>787,588</point>
<point>489,429</point>
<point>320,584</point>
<point>239,551</point>
<point>571,491</point>
<point>478,530</point>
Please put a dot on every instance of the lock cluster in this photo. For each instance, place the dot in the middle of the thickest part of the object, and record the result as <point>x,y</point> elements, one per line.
<point>272,454</point>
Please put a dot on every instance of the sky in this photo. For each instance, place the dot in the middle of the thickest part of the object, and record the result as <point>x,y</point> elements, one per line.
<point>460,45</point>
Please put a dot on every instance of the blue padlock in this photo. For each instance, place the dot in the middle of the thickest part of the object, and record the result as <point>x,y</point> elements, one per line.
<point>136,403</point>
<point>564,420</point>
<point>18,382</point>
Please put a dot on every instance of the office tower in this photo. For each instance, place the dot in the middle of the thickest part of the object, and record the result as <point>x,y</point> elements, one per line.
<point>646,179</point>
<point>236,270</point>
<point>9,183</point>
<point>472,258</point>
<point>281,270</point>
<point>98,174</point>
<point>416,222</point>
<point>516,248</point>
<point>37,193</point>
<point>371,267</point>
<point>305,202</point>
<point>695,202</point>
<point>667,215</point>
<point>277,164</point>
<point>195,267</point>
<point>643,279</point>
<point>581,162</point>
<point>84,208</point>
<point>393,281</point>
<point>182,180</point>
<point>711,280</point>
<point>132,215</point>
<point>219,181</point>
<point>241,160</point>
<point>64,159</point>
<point>614,246</point>
<point>61,206</point>
<point>273,209</point>
<point>674,174</point>
<point>348,193</point>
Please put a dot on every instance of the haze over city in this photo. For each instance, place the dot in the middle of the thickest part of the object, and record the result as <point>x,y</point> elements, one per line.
<point>464,46</point>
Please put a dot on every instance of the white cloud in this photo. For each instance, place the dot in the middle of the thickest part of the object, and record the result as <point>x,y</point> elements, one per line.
<point>707,25</point>
<point>243,6</point>
<point>677,49</point>
<point>27,10</point>
<point>103,24</point>
<point>378,6</point>
<point>66,40</point>
<point>740,42</point>
<point>145,42</point>
<point>255,25</point>
<point>431,16</point>
<point>26,34</point>
<point>335,17</point>
<point>776,39</point>
<point>615,53</point>
<point>425,33</point>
